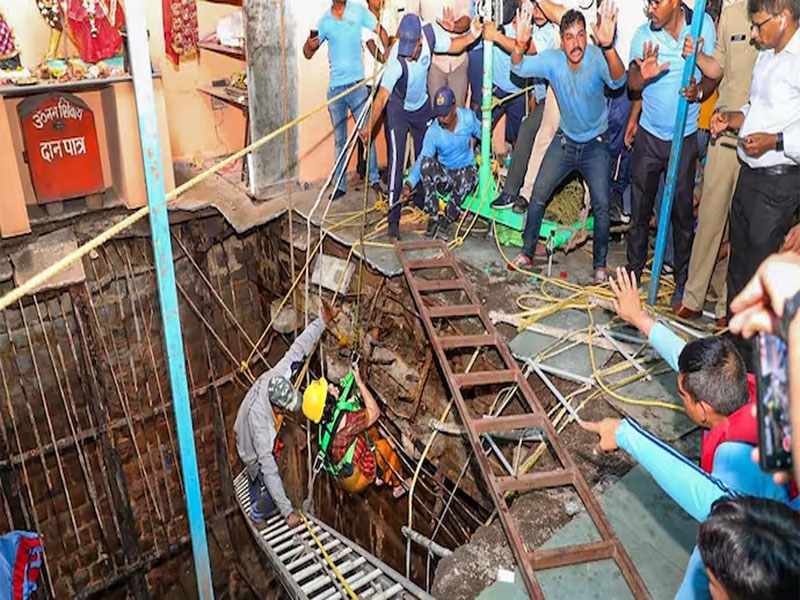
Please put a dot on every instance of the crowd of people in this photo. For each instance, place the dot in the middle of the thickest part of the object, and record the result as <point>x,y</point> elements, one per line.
<point>594,88</point>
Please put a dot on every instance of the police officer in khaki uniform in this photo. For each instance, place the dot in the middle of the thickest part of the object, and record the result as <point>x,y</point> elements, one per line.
<point>730,68</point>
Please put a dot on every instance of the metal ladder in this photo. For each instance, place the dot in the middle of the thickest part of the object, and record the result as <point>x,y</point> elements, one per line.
<point>303,571</point>
<point>609,546</point>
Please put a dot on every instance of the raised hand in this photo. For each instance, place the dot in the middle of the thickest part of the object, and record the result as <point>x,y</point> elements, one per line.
<point>627,303</point>
<point>525,13</point>
<point>648,64</point>
<point>524,29</point>
<point>476,27</point>
<point>606,24</point>
<point>447,20</point>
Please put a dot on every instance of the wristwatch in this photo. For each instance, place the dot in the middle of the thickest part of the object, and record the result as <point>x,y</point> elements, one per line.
<point>784,324</point>
<point>779,142</point>
<point>700,95</point>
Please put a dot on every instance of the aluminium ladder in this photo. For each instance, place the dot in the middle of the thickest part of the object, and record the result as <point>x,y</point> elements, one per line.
<point>303,571</point>
<point>609,546</point>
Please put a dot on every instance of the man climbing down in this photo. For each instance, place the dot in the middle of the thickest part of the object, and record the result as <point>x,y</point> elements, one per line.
<point>713,384</point>
<point>447,161</point>
<point>404,93</point>
<point>350,448</point>
<point>578,75</point>
<point>255,425</point>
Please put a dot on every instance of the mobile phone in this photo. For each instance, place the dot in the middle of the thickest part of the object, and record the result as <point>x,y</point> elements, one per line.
<point>314,33</point>
<point>772,383</point>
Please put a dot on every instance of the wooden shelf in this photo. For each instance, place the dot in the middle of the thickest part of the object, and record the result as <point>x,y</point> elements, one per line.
<point>210,43</point>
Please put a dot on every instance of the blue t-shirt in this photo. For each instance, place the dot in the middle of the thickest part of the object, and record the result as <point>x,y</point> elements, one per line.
<point>417,87</point>
<point>661,95</point>
<point>344,41</point>
<point>580,93</point>
<point>453,147</point>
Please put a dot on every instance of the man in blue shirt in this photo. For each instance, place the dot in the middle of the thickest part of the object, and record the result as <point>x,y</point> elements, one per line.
<point>578,74</point>
<point>660,86</point>
<point>404,93</point>
<point>712,382</point>
<point>341,26</point>
<point>447,160</point>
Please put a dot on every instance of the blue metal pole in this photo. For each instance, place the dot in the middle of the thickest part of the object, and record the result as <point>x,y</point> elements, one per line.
<point>674,158</point>
<point>139,54</point>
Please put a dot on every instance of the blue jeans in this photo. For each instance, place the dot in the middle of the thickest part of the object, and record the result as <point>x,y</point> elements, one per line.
<point>355,101</point>
<point>563,157</point>
<point>261,504</point>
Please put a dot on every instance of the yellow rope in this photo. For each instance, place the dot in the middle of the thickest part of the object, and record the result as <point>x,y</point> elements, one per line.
<point>327,558</point>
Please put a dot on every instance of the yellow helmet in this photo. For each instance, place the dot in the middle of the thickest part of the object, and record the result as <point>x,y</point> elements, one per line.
<point>314,399</point>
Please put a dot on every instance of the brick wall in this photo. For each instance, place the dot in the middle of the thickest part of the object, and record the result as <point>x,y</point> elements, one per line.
<point>106,361</point>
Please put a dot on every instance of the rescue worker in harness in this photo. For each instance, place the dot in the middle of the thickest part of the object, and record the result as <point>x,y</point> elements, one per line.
<point>350,448</point>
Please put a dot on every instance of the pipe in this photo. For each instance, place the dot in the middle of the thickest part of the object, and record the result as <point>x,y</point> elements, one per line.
<point>674,158</point>
<point>139,52</point>
<point>485,173</point>
<point>426,543</point>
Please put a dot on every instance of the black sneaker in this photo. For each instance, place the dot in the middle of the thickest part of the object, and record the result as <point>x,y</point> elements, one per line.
<point>433,227</point>
<point>379,189</point>
<point>520,205</point>
<point>339,194</point>
<point>503,201</point>
<point>452,212</point>
<point>394,231</point>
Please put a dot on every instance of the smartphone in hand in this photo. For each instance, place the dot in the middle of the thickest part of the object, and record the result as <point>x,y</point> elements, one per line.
<point>314,33</point>
<point>772,383</point>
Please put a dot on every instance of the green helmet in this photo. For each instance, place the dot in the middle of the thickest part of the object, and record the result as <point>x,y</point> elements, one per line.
<point>281,393</point>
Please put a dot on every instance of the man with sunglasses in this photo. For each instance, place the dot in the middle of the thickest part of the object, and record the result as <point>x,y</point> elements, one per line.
<point>657,73</point>
<point>767,197</point>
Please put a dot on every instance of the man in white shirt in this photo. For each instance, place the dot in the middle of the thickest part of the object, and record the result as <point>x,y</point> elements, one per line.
<point>767,196</point>
<point>446,70</point>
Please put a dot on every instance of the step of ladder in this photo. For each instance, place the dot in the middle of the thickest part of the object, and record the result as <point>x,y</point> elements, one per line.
<point>304,573</point>
<point>568,475</point>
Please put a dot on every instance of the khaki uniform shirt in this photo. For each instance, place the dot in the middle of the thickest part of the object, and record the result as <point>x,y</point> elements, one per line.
<point>735,54</point>
<point>431,10</point>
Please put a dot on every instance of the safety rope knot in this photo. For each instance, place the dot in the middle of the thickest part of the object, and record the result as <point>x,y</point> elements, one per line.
<point>381,205</point>
<point>244,367</point>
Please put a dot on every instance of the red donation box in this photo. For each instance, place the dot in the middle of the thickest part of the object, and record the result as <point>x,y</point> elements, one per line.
<point>61,147</point>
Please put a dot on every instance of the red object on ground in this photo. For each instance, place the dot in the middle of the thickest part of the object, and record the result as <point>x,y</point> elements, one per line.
<point>61,147</point>
<point>563,275</point>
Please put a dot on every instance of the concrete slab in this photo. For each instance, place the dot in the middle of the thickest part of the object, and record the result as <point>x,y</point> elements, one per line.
<point>226,193</point>
<point>657,534</point>
<point>43,252</point>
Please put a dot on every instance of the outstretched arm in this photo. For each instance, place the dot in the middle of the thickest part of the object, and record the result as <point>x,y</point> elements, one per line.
<point>604,30</point>
<point>688,485</point>
<point>460,44</point>
<point>628,306</point>
<point>645,69</point>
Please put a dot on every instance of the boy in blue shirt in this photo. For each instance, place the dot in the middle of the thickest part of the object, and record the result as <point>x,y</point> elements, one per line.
<point>660,86</point>
<point>447,160</point>
<point>578,75</point>
<point>341,26</point>
<point>404,93</point>
<point>713,384</point>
